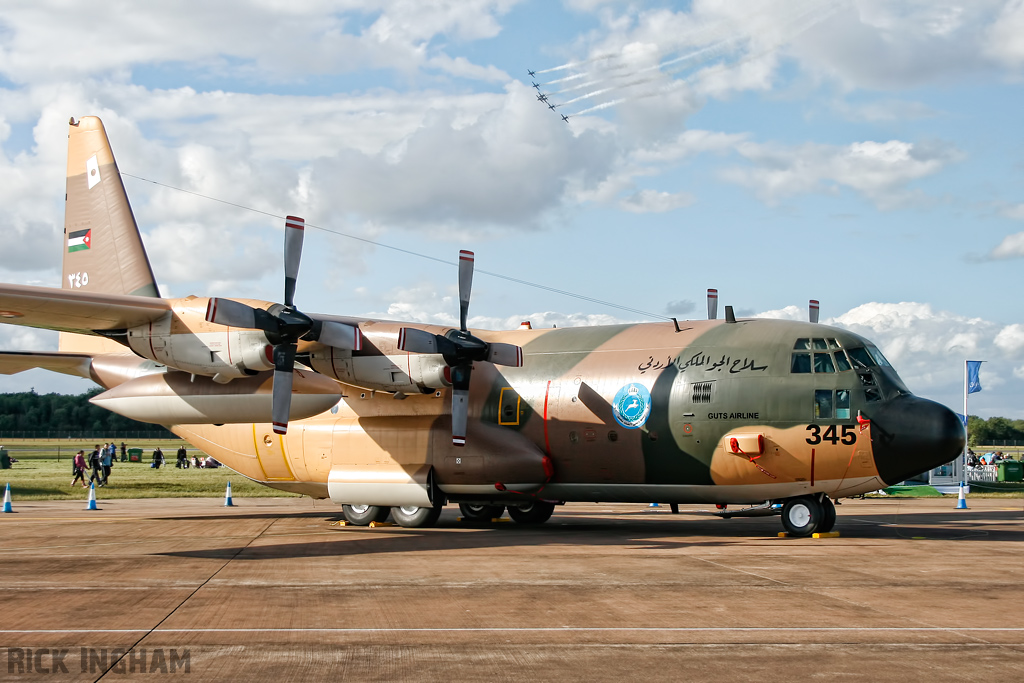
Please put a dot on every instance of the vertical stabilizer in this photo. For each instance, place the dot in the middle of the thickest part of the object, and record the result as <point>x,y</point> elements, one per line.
<point>103,251</point>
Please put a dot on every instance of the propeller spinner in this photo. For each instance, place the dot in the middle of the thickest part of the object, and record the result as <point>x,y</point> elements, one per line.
<point>460,350</point>
<point>284,325</point>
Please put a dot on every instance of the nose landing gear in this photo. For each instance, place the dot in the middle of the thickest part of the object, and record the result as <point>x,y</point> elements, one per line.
<point>806,515</point>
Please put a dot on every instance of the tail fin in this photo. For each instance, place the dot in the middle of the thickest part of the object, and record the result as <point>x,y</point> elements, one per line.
<point>103,251</point>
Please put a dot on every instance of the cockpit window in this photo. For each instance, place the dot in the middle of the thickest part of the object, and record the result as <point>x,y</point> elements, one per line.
<point>877,355</point>
<point>801,363</point>
<point>823,404</point>
<point>819,345</point>
<point>802,345</point>
<point>861,357</point>
<point>842,362</point>
<point>823,363</point>
<point>834,344</point>
<point>843,404</point>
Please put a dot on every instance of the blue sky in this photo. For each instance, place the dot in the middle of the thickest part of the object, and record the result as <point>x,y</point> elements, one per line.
<point>866,153</point>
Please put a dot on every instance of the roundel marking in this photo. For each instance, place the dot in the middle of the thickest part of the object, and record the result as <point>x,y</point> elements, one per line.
<point>632,405</point>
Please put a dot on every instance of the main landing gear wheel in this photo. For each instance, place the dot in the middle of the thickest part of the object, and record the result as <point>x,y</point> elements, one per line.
<point>536,512</point>
<point>362,515</point>
<point>828,516</point>
<point>413,517</point>
<point>802,516</point>
<point>480,513</point>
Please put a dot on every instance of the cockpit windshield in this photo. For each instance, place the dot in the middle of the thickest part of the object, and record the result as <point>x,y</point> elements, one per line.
<point>861,357</point>
<point>868,357</point>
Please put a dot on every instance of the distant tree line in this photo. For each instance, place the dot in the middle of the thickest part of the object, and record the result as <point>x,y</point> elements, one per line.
<point>32,412</point>
<point>995,430</point>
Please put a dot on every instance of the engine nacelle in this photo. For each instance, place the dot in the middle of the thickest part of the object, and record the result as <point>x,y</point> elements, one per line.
<point>177,398</point>
<point>408,373</point>
<point>182,339</point>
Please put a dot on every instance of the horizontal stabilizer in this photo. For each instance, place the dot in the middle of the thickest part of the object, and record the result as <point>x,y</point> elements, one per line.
<point>77,364</point>
<point>76,310</point>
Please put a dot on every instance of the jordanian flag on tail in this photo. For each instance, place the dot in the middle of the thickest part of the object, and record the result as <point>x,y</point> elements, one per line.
<point>79,240</point>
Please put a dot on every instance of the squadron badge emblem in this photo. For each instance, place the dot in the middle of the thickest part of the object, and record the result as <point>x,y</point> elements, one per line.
<point>632,405</point>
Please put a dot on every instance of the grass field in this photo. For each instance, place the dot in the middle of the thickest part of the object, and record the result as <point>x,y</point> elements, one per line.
<point>40,475</point>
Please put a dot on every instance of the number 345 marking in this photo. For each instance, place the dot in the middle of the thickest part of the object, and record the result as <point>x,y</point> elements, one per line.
<point>832,435</point>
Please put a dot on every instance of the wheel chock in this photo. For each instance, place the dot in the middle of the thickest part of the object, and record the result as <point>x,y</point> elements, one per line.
<point>827,534</point>
<point>374,525</point>
<point>783,534</point>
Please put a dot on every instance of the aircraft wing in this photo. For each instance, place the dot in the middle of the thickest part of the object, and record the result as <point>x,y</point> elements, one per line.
<point>77,364</point>
<point>74,311</point>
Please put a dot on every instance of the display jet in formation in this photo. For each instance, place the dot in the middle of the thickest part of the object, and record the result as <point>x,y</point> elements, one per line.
<point>396,418</point>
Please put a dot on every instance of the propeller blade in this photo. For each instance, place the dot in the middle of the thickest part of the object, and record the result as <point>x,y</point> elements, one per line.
<point>712,304</point>
<point>294,228</point>
<point>339,335</point>
<point>465,285</point>
<point>460,403</point>
<point>230,313</point>
<point>812,310</point>
<point>284,361</point>
<point>417,341</point>
<point>505,354</point>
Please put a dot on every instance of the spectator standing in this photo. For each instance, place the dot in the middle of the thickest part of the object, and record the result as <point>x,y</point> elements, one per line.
<point>182,457</point>
<point>124,453</point>
<point>158,457</point>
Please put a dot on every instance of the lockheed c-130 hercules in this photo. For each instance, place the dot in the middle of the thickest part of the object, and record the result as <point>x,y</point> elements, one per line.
<point>397,418</point>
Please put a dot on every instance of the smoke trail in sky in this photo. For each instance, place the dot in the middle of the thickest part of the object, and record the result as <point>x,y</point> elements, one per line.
<point>718,41</point>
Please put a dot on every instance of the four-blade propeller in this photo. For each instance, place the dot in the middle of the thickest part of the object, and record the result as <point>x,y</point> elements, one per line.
<point>285,325</point>
<point>460,350</point>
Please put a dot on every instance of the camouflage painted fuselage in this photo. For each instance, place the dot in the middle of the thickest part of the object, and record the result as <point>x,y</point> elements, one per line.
<point>713,412</point>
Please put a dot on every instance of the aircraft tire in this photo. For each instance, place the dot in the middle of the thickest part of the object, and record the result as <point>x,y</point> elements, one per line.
<point>415,517</point>
<point>536,512</point>
<point>480,513</point>
<point>828,515</point>
<point>362,515</point>
<point>802,516</point>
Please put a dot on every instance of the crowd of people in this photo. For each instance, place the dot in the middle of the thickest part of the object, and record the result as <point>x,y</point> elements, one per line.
<point>101,460</point>
<point>974,460</point>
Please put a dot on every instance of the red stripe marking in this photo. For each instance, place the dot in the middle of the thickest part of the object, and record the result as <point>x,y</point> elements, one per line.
<point>465,255</point>
<point>547,442</point>
<point>295,222</point>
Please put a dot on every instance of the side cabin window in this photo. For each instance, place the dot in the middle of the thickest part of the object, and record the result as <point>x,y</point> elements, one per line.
<point>823,355</point>
<point>830,404</point>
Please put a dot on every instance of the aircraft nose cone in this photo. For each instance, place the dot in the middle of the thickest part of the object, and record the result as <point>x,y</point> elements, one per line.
<point>911,435</point>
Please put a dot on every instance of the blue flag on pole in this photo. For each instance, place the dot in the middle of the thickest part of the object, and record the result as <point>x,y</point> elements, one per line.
<point>973,381</point>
